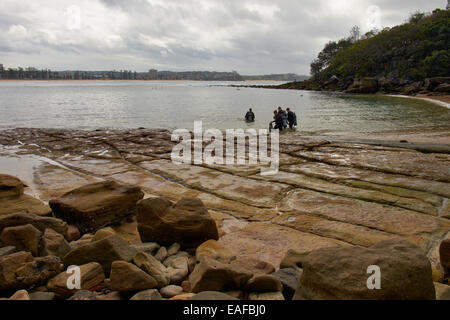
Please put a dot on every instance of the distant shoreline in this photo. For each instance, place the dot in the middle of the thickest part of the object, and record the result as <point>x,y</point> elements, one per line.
<point>133,80</point>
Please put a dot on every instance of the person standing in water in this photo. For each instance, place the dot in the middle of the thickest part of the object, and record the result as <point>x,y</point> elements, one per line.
<point>283,117</point>
<point>291,118</point>
<point>278,121</point>
<point>250,116</point>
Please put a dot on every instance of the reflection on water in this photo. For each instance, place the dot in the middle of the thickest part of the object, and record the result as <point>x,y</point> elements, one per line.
<point>122,104</point>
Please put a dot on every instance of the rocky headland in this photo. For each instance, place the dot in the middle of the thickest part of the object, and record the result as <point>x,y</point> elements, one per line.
<point>437,88</point>
<point>142,228</point>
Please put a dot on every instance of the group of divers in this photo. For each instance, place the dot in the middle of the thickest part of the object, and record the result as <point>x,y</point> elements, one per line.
<point>281,119</point>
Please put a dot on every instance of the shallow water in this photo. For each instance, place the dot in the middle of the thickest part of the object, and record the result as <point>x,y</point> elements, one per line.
<point>133,104</point>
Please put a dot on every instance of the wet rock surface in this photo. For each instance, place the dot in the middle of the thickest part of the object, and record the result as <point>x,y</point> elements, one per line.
<point>325,195</point>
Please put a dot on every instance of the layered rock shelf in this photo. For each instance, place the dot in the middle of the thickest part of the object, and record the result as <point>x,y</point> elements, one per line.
<point>247,235</point>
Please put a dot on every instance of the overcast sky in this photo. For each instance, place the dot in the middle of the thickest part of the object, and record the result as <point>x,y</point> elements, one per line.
<point>249,36</point>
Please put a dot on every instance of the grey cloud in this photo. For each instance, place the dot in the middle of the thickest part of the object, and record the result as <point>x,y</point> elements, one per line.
<point>246,35</point>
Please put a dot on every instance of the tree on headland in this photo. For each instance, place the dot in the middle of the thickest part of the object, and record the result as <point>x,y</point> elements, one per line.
<point>417,49</point>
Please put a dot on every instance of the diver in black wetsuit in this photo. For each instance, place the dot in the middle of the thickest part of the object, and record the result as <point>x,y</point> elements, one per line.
<point>250,116</point>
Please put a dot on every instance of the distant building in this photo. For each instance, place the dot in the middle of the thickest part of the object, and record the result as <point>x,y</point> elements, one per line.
<point>153,74</point>
<point>1,71</point>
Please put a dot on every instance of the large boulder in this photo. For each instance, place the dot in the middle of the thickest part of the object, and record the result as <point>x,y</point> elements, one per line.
<point>26,238</point>
<point>10,186</point>
<point>212,275</point>
<point>186,222</point>
<point>97,205</point>
<point>91,277</point>
<point>37,272</point>
<point>8,266</point>
<point>127,277</point>
<point>104,251</point>
<point>40,223</point>
<point>14,200</point>
<point>342,273</point>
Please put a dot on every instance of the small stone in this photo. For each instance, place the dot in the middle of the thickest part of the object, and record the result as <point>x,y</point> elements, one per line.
<point>73,233</point>
<point>127,277</point>
<point>151,294</point>
<point>212,295</point>
<point>183,297</point>
<point>264,283</point>
<point>153,267</point>
<point>42,296</point>
<point>173,249</point>
<point>26,238</point>
<point>103,233</point>
<point>148,248</point>
<point>161,255</point>
<point>20,295</point>
<point>170,259</point>
<point>54,244</point>
<point>266,296</point>
<point>186,285</point>
<point>171,291</point>
<point>178,269</point>
<point>84,295</point>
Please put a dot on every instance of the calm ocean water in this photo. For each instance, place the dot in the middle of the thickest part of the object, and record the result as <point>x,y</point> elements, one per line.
<point>133,104</point>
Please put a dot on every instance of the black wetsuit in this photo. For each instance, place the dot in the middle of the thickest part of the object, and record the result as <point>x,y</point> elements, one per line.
<point>279,121</point>
<point>291,119</point>
<point>250,116</point>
